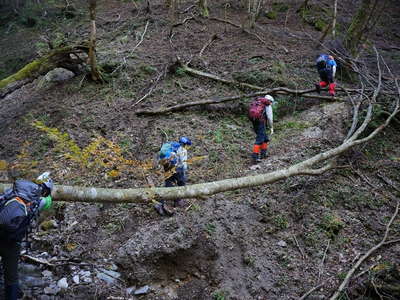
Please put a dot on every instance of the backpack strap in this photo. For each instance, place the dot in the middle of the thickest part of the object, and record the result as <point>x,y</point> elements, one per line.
<point>19,200</point>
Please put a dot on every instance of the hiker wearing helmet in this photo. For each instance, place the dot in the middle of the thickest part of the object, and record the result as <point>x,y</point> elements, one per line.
<point>173,157</point>
<point>260,112</point>
<point>326,67</point>
<point>19,205</point>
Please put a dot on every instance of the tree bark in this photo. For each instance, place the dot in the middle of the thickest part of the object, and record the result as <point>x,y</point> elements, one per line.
<point>96,76</point>
<point>359,27</point>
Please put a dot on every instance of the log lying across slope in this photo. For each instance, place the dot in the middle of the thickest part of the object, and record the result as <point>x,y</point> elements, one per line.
<point>60,57</point>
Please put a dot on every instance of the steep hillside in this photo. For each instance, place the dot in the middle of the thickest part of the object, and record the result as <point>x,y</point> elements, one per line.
<point>271,242</point>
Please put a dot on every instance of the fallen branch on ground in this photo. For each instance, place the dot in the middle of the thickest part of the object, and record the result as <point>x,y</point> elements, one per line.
<point>274,91</point>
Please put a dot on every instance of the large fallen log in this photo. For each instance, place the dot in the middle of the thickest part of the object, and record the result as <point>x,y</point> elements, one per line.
<point>61,57</point>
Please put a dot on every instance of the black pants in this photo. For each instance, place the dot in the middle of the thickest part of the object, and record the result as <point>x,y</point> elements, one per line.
<point>178,178</point>
<point>9,252</point>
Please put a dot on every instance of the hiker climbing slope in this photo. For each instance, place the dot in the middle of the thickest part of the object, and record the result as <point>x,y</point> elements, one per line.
<point>326,67</point>
<point>173,157</point>
<point>260,113</point>
<point>19,205</point>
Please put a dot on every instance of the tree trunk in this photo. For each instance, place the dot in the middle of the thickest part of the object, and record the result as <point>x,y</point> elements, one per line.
<point>359,27</point>
<point>96,76</point>
<point>334,19</point>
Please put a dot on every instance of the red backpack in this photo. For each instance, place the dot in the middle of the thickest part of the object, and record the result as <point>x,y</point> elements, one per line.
<point>256,109</point>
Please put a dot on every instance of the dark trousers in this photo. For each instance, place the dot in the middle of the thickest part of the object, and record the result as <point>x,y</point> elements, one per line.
<point>326,75</point>
<point>9,252</point>
<point>178,178</point>
<point>260,130</point>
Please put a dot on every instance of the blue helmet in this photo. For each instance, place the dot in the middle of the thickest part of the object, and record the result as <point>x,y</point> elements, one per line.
<point>185,141</point>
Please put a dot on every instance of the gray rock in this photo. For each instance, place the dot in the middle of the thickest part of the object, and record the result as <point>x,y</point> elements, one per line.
<point>130,290</point>
<point>59,75</point>
<point>282,243</point>
<point>52,290</point>
<point>143,290</point>
<point>47,273</point>
<point>75,279</point>
<point>108,276</point>
<point>62,283</point>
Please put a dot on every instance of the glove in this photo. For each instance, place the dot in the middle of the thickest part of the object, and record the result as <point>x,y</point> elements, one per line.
<point>272,130</point>
<point>45,203</point>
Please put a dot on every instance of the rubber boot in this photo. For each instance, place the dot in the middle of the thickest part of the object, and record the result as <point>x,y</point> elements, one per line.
<point>323,84</point>
<point>159,207</point>
<point>13,292</point>
<point>255,158</point>
<point>263,153</point>
<point>318,88</point>
<point>332,89</point>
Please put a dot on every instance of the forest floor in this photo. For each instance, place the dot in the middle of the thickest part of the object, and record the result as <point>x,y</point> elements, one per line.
<point>270,242</point>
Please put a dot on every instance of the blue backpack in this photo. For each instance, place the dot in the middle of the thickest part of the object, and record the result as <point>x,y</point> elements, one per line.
<point>18,207</point>
<point>167,149</point>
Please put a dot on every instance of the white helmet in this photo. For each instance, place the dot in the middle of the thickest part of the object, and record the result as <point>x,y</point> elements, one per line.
<point>270,98</point>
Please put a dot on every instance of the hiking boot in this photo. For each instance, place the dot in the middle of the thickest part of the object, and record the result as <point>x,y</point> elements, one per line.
<point>159,207</point>
<point>168,210</point>
<point>255,157</point>
<point>263,154</point>
<point>179,203</point>
<point>318,88</point>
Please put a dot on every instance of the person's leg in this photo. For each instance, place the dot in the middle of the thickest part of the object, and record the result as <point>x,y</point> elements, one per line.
<point>324,81</point>
<point>264,147</point>
<point>10,255</point>
<point>181,181</point>
<point>259,128</point>
<point>332,85</point>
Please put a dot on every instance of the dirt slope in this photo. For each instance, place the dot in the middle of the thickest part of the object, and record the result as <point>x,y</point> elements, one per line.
<point>271,242</point>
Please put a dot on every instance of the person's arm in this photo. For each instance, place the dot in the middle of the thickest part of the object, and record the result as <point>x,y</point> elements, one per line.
<point>270,117</point>
<point>182,158</point>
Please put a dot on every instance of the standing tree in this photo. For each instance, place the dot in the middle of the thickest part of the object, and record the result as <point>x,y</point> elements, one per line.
<point>362,23</point>
<point>96,76</point>
<point>253,10</point>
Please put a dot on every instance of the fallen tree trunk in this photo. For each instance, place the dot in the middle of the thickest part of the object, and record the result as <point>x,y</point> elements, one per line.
<point>60,57</point>
<point>274,91</point>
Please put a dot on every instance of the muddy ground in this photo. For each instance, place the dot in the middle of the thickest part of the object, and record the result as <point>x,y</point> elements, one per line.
<point>271,242</point>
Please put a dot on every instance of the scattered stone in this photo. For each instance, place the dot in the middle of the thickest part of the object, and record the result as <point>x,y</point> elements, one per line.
<point>52,290</point>
<point>130,290</point>
<point>282,243</point>
<point>58,75</point>
<point>75,279</point>
<point>47,273</point>
<point>62,283</point>
<point>87,280</point>
<point>143,290</point>
<point>108,276</point>
<point>255,167</point>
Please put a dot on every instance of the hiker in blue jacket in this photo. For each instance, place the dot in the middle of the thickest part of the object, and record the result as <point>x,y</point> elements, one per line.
<point>326,66</point>
<point>173,157</point>
<point>18,206</point>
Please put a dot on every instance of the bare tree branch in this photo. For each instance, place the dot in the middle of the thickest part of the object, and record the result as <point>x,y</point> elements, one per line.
<point>366,255</point>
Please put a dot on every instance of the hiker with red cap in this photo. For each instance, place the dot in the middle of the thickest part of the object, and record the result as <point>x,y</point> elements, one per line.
<point>260,112</point>
<point>326,67</point>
